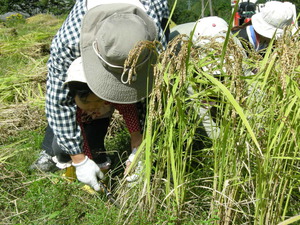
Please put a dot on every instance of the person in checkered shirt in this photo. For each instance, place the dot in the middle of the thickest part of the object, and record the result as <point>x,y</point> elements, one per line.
<point>79,36</point>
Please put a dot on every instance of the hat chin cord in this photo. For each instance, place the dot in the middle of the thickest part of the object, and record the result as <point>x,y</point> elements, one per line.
<point>132,76</point>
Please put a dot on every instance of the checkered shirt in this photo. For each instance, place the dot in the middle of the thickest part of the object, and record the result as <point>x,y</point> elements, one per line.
<point>60,107</point>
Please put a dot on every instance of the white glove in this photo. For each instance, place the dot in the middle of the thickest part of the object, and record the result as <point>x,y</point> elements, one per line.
<point>87,172</point>
<point>137,172</point>
<point>132,155</point>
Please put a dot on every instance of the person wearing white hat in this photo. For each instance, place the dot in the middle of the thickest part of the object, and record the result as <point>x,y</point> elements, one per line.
<point>204,28</point>
<point>270,22</point>
<point>93,116</point>
<point>203,32</point>
<point>208,29</point>
<point>103,33</point>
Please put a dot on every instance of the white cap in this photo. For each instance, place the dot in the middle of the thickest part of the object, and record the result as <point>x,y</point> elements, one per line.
<point>93,3</point>
<point>273,18</point>
<point>180,29</point>
<point>208,28</point>
<point>75,72</point>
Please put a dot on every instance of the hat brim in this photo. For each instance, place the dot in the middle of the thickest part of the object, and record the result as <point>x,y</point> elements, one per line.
<point>185,28</point>
<point>106,83</point>
<point>108,86</point>
<point>263,28</point>
<point>75,72</point>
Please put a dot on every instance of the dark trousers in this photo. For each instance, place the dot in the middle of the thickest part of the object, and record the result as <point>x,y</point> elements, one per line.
<point>95,132</point>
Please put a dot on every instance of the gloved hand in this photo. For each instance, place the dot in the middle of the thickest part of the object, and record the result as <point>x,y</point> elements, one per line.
<point>87,172</point>
<point>130,160</point>
<point>137,172</point>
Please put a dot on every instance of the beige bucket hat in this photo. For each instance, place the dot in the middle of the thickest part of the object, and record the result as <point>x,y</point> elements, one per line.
<point>108,34</point>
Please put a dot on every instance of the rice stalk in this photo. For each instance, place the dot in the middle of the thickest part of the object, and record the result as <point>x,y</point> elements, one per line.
<point>253,163</point>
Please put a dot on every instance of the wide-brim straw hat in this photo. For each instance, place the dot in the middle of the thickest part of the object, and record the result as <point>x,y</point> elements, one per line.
<point>108,34</point>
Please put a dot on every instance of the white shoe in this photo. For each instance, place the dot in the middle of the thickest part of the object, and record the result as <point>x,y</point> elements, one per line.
<point>44,163</point>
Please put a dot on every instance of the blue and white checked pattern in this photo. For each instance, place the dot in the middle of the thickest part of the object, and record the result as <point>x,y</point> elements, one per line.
<point>157,9</point>
<point>60,108</point>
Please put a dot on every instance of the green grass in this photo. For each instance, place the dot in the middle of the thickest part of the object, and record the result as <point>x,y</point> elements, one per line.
<point>248,175</point>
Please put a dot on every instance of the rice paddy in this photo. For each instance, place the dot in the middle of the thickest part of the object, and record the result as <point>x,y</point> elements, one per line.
<point>245,172</point>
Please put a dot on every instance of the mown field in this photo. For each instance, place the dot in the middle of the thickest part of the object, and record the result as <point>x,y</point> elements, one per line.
<point>249,174</point>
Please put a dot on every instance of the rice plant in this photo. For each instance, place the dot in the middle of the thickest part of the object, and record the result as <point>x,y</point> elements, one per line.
<point>248,173</point>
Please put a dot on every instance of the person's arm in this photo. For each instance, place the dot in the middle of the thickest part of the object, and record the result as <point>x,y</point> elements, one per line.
<point>60,108</point>
<point>61,112</point>
<point>61,115</point>
<point>136,139</point>
<point>130,115</point>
